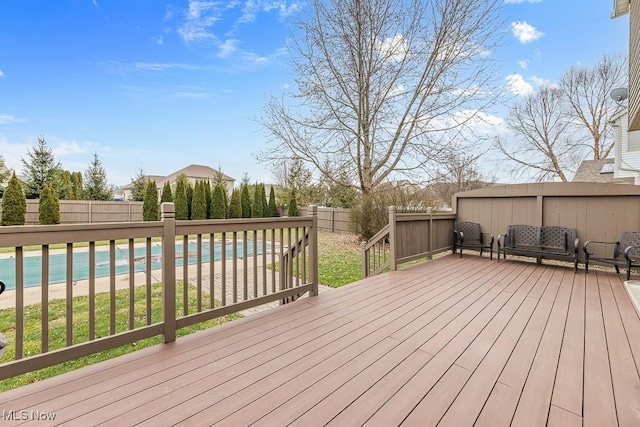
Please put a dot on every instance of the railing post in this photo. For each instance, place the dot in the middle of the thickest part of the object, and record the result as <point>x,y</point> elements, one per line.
<point>313,249</point>
<point>392,237</point>
<point>365,260</point>
<point>169,271</point>
<point>430,213</point>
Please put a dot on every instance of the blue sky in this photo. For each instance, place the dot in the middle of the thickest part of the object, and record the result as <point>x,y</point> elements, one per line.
<point>161,85</point>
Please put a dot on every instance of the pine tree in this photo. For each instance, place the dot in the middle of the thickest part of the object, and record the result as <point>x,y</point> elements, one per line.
<point>245,201</point>
<point>180,197</point>
<point>138,186</point>
<point>273,209</point>
<point>199,202</point>
<point>40,168</point>
<point>14,203</point>
<point>95,181</point>
<point>293,205</point>
<point>150,202</point>
<point>167,196</point>
<point>235,205</point>
<point>5,174</point>
<point>257,208</point>
<point>218,202</point>
<point>48,206</point>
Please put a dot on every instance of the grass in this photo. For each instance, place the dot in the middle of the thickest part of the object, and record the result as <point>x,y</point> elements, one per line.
<point>57,331</point>
<point>339,259</point>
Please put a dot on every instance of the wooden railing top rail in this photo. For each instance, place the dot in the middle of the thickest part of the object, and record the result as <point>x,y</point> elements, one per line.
<point>376,237</point>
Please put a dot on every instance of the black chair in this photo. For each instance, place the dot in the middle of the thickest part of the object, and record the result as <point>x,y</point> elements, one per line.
<point>468,235</point>
<point>626,251</point>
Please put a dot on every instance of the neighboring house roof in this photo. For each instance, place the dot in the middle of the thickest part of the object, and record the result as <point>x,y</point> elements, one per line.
<point>620,7</point>
<point>197,171</point>
<point>598,171</point>
<point>192,171</point>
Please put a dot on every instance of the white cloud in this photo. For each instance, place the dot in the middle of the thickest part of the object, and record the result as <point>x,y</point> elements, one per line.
<point>154,66</point>
<point>158,40</point>
<point>199,18</point>
<point>394,48</point>
<point>524,32</point>
<point>1,74</point>
<point>521,1</point>
<point>6,118</point>
<point>517,85</point>
<point>543,82</point>
<point>228,47</point>
<point>523,64</point>
<point>252,8</point>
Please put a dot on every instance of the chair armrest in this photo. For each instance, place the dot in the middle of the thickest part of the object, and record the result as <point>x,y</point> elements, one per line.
<point>491,237</point>
<point>576,246</point>
<point>588,242</point>
<point>627,250</point>
<point>459,236</point>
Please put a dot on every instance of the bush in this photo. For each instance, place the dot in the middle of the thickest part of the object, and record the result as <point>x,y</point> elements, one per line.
<point>370,214</point>
<point>167,195</point>
<point>48,206</point>
<point>245,201</point>
<point>199,202</point>
<point>150,202</point>
<point>14,203</point>
<point>257,208</point>
<point>182,210</point>
<point>219,202</point>
<point>293,204</point>
<point>272,209</point>
<point>235,205</point>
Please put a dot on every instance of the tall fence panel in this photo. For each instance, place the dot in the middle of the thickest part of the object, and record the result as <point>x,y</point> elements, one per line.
<point>597,211</point>
<point>88,211</point>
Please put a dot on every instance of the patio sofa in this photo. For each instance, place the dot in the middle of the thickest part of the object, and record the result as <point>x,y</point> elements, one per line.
<point>626,251</point>
<point>467,235</point>
<point>551,242</point>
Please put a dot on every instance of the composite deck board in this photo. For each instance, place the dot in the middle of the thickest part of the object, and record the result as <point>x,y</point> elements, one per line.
<point>447,342</point>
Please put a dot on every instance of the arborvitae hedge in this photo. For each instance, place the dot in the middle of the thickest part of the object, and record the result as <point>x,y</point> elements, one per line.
<point>150,202</point>
<point>14,203</point>
<point>167,195</point>
<point>218,202</point>
<point>272,209</point>
<point>189,188</point>
<point>256,208</point>
<point>293,204</point>
<point>48,206</point>
<point>235,205</point>
<point>245,201</point>
<point>209,197</point>
<point>199,202</point>
<point>182,211</point>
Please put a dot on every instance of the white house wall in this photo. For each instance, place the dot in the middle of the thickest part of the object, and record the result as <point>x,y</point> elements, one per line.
<point>627,163</point>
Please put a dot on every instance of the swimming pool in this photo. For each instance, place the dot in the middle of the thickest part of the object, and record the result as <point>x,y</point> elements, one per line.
<point>57,262</point>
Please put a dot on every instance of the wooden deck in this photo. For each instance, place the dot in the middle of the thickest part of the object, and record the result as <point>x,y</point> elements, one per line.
<point>452,342</point>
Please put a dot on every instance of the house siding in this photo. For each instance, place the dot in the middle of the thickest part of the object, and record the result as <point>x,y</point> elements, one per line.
<point>627,163</point>
<point>634,65</point>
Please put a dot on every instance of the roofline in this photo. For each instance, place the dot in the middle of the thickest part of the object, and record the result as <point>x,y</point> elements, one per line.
<point>620,7</point>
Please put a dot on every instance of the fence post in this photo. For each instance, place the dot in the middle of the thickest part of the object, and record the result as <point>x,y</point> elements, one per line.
<point>333,220</point>
<point>392,237</point>
<point>313,250</point>
<point>90,214</point>
<point>169,271</point>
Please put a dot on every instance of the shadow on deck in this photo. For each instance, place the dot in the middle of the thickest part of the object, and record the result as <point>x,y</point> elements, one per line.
<point>451,342</point>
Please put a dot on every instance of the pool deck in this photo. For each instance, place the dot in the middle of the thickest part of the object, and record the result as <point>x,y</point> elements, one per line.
<point>451,342</point>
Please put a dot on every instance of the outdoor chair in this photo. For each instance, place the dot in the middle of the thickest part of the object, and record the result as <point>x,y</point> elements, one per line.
<point>468,235</point>
<point>626,251</point>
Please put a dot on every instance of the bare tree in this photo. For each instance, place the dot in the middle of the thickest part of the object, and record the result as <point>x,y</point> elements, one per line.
<point>541,139</point>
<point>460,172</point>
<point>587,91</point>
<point>378,83</point>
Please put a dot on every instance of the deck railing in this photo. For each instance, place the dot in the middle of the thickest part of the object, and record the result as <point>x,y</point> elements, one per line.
<point>407,237</point>
<point>229,265</point>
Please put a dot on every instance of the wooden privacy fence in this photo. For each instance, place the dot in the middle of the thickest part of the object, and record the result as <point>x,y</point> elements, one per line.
<point>597,211</point>
<point>329,219</point>
<point>229,265</point>
<point>407,237</point>
<point>88,211</point>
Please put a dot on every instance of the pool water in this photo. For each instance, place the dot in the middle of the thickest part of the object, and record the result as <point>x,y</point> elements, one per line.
<point>57,262</point>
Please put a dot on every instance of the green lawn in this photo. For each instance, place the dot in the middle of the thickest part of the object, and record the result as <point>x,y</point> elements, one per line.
<point>57,332</point>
